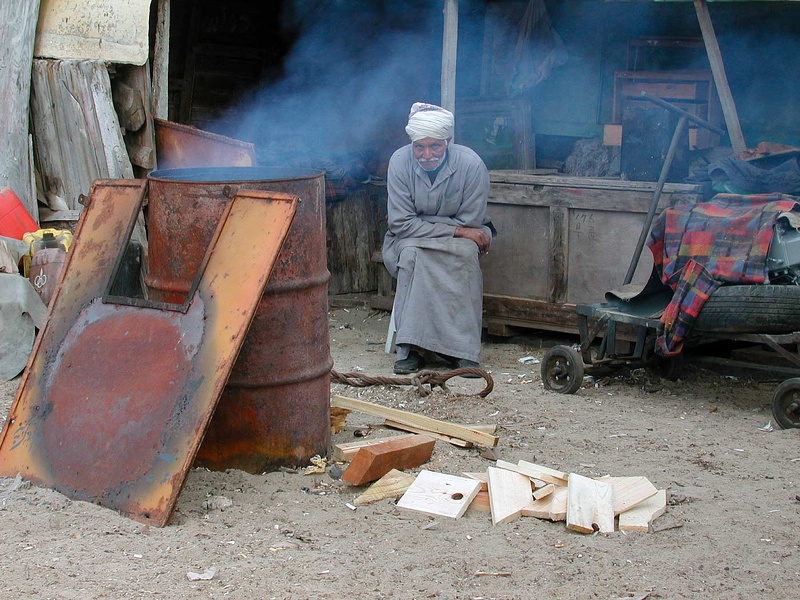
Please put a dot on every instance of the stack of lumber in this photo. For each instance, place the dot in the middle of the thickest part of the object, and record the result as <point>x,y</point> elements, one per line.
<point>506,490</point>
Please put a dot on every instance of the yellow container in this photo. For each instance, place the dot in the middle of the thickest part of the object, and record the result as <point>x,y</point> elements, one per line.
<point>44,238</point>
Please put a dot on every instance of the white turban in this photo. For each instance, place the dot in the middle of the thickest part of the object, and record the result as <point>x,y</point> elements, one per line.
<point>429,120</point>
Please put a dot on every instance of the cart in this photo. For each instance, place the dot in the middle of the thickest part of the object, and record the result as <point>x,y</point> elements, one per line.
<point>564,367</point>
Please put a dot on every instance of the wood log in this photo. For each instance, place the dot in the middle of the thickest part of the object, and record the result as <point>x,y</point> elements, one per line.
<point>373,462</point>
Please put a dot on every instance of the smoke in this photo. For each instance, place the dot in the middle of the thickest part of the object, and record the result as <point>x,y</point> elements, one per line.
<point>350,77</point>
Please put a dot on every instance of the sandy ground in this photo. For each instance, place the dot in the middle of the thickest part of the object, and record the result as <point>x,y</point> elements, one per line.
<point>730,530</point>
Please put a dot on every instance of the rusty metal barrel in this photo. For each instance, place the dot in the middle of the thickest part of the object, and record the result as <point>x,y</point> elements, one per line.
<point>275,409</point>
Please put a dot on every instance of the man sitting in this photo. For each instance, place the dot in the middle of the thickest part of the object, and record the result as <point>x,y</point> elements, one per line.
<point>438,229</point>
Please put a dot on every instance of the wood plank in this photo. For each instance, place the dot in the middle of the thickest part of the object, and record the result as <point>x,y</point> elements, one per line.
<point>17,30</point>
<point>629,491</point>
<point>440,495</point>
<point>541,472</point>
<point>438,436</point>
<point>552,507</point>
<point>426,423</point>
<point>546,490</point>
<point>720,78</point>
<point>509,494</point>
<point>348,450</point>
<point>161,61</point>
<point>596,183</point>
<point>373,462</point>
<point>559,254</point>
<point>641,516</point>
<point>449,52</point>
<point>590,505</point>
<point>482,477</point>
<point>392,485</point>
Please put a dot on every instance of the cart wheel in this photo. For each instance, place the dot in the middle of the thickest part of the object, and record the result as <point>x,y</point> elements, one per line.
<point>670,367</point>
<point>786,403</point>
<point>562,370</point>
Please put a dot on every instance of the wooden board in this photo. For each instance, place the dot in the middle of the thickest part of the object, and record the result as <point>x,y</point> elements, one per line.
<point>109,30</point>
<point>629,491</point>
<point>440,495</point>
<point>426,423</point>
<point>535,471</point>
<point>438,436</point>
<point>373,462</point>
<point>509,494</point>
<point>348,450</point>
<point>392,485</point>
<point>641,516</point>
<point>590,505</point>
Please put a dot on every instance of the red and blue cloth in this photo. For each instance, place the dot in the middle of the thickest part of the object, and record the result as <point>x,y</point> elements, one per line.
<point>698,247</point>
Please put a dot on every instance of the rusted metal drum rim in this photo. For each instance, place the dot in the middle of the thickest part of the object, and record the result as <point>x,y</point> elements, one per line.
<point>299,376</point>
<point>233,174</point>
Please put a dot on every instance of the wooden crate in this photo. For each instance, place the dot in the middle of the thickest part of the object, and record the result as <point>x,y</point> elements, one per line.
<point>563,241</point>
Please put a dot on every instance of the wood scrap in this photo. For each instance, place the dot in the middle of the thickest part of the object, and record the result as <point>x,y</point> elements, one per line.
<point>440,495</point>
<point>438,436</point>
<point>535,471</point>
<point>629,491</point>
<point>348,450</point>
<point>480,503</point>
<point>482,477</point>
<point>407,418</point>
<point>509,494</point>
<point>640,517</point>
<point>373,462</point>
<point>546,490</point>
<point>590,505</point>
<point>338,419</point>
<point>392,485</point>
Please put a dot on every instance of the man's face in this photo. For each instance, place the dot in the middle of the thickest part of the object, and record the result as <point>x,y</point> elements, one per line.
<point>429,152</point>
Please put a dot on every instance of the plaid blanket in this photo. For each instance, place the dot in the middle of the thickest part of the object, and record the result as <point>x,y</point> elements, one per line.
<point>696,248</point>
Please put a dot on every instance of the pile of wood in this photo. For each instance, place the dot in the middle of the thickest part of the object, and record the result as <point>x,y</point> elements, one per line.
<point>507,490</point>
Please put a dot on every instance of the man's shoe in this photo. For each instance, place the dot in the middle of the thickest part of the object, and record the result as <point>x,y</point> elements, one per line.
<point>412,364</point>
<point>463,363</point>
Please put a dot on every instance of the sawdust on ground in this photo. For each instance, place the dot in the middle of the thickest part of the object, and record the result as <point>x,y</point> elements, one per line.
<point>730,530</point>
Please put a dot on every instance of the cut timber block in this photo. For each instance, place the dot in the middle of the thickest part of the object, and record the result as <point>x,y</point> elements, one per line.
<point>373,462</point>
<point>482,477</point>
<point>590,505</point>
<point>535,471</point>
<point>480,503</point>
<point>509,494</point>
<point>552,507</point>
<point>348,450</point>
<point>629,491</point>
<point>440,495</point>
<point>392,485</point>
<point>546,490</point>
<point>640,516</point>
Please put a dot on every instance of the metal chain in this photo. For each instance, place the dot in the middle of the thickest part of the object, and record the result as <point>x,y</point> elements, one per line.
<point>432,378</point>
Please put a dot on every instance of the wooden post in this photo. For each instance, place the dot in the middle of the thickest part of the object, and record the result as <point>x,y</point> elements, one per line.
<point>720,78</point>
<point>161,62</point>
<point>18,32</point>
<point>449,50</point>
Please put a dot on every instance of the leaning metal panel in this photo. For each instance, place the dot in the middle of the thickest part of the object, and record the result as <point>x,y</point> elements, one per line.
<point>118,395</point>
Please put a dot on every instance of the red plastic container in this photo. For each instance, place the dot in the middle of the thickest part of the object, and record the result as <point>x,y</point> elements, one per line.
<point>15,221</point>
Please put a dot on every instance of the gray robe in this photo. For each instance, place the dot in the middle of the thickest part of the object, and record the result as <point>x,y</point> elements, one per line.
<point>439,299</point>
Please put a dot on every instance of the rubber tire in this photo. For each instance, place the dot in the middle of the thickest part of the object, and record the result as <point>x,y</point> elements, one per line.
<point>786,404</point>
<point>562,370</point>
<point>751,309</point>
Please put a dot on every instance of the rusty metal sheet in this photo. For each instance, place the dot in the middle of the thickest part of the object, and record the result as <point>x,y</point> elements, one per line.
<point>119,392</point>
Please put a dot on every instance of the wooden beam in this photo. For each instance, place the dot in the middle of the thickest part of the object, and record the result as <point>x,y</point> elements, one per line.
<point>420,421</point>
<point>373,462</point>
<point>348,450</point>
<point>449,52</point>
<point>720,78</point>
<point>161,62</point>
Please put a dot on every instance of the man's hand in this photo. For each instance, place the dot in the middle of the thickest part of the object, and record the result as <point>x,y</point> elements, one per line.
<point>477,235</point>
